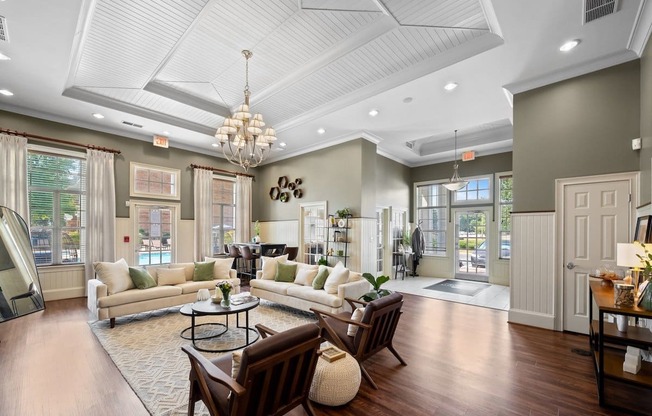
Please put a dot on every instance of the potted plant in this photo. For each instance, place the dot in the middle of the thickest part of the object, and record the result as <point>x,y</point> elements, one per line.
<point>256,238</point>
<point>225,287</point>
<point>377,292</point>
<point>322,261</point>
<point>343,213</point>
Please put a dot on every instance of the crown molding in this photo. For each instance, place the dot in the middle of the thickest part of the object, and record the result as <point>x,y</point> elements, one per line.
<point>642,28</point>
<point>165,90</point>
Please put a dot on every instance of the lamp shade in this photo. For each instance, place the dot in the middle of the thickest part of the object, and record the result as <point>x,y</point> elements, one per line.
<point>626,254</point>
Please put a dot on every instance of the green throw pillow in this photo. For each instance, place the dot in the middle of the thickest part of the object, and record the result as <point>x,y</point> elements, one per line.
<point>141,279</point>
<point>203,271</point>
<point>320,279</point>
<point>285,272</point>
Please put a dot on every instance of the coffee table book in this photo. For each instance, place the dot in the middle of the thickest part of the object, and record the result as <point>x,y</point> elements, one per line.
<point>331,354</point>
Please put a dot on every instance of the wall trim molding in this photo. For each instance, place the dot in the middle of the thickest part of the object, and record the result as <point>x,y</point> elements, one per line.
<point>540,320</point>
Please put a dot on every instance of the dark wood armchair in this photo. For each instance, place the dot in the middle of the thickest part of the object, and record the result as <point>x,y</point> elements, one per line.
<point>375,332</point>
<point>275,375</point>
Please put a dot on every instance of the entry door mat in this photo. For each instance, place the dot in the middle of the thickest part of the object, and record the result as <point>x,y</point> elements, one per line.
<point>458,287</point>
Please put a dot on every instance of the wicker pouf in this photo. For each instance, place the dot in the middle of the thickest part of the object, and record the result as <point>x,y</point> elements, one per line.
<point>335,383</point>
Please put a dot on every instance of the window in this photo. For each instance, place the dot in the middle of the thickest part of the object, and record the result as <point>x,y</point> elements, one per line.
<point>57,204</point>
<point>505,190</point>
<point>223,231</point>
<point>431,204</point>
<point>478,190</point>
<point>155,226</point>
<point>154,182</point>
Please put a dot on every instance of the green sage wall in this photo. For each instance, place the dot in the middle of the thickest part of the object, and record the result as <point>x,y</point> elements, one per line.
<point>646,126</point>
<point>392,183</point>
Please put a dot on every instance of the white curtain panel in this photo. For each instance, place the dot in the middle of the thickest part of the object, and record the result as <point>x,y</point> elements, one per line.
<point>100,206</point>
<point>203,185</point>
<point>243,208</point>
<point>13,174</point>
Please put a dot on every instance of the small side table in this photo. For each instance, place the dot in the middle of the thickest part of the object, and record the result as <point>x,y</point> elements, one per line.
<point>336,383</point>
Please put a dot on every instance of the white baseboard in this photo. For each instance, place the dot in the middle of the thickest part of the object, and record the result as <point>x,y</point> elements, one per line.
<point>66,293</point>
<point>530,318</point>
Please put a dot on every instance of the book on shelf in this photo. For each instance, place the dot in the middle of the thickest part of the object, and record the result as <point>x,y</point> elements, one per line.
<point>331,354</point>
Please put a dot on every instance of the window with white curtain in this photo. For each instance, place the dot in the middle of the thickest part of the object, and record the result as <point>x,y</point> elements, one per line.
<point>223,229</point>
<point>57,204</point>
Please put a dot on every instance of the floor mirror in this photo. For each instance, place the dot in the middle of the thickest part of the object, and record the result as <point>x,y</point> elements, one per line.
<point>20,289</point>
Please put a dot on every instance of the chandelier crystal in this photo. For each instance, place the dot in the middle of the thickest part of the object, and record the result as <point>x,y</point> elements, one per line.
<point>241,136</point>
<point>455,183</point>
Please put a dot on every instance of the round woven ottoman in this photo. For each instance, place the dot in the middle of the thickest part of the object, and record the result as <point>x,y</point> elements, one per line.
<point>335,383</point>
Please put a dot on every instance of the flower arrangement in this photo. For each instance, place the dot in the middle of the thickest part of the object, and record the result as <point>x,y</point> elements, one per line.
<point>225,287</point>
<point>257,227</point>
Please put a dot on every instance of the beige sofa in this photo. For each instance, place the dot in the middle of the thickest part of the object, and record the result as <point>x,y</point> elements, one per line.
<point>300,294</point>
<point>111,295</point>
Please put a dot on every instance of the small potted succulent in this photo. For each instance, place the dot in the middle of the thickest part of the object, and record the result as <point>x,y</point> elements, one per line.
<point>343,213</point>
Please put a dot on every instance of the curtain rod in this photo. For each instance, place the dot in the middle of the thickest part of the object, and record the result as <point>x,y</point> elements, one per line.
<point>192,165</point>
<point>66,142</point>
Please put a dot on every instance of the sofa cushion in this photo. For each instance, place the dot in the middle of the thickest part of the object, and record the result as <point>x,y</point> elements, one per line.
<point>173,276</point>
<point>135,295</point>
<point>192,286</point>
<point>114,275</point>
<point>320,279</point>
<point>269,265</point>
<point>222,266</point>
<point>355,316</point>
<point>354,276</point>
<point>203,271</point>
<point>141,278</point>
<point>338,276</point>
<point>312,295</point>
<point>285,272</point>
<point>153,269</point>
<point>271,286</point>
<point>306,273</point>
<point>188,269</point>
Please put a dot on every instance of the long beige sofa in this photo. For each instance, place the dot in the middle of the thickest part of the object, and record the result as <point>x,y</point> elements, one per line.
<point>113,294</point>
<point>301,294</point>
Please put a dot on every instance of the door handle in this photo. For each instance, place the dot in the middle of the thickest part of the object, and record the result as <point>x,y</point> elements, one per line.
<point>570,265</point>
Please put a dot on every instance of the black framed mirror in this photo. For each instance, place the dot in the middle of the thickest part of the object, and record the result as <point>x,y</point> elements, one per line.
<point>20,288</point>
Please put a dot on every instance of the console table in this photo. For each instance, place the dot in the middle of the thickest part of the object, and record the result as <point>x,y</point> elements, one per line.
<point>608,345</point>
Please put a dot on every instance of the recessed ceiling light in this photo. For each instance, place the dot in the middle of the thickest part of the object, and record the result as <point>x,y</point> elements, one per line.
<point>98,115</point>
<point>407,100</point>
<point>321,130</point>
<point>282,144</point>
<point>4,57</point>
<point>215,145</point>
<point>373,113</point>
<point>166,132</point>
<point>6,92</point>
<point>450,86</point>
<point>569,45</point>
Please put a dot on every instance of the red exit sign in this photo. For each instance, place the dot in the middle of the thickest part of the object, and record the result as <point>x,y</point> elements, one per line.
<point>160,141</point>
<point>467,156</point>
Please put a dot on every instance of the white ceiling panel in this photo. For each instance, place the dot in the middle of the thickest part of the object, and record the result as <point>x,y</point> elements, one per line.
<point>447,13</point>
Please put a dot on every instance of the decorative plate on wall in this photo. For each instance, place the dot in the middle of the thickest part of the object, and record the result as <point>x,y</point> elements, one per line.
<point>297,193</point>
<point>274,193</point>
<point>285,196</point>
<point>292,186</point>
<point>298,181</point>
<point>283,182</point>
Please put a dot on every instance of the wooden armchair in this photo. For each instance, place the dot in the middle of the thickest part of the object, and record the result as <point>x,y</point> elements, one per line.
<point>275,375</point>
<point>375,332</point>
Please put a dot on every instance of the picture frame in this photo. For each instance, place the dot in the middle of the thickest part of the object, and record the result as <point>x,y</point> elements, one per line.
<point>641,291</point>
<point>642,232</point>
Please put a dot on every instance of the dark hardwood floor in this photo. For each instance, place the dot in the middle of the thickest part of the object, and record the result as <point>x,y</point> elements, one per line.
<point>462,360</point>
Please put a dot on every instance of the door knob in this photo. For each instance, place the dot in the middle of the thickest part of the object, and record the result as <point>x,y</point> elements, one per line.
<point>570,265</point>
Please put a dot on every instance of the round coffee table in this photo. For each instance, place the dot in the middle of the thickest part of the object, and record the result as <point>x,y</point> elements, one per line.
<point>208,308</point>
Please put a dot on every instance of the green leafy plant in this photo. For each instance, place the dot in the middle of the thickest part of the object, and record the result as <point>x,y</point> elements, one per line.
<point>257,227</point>
<point>646,259</point>
<point>322,261</point>
<point>343,213</point>
<point>377,292</point>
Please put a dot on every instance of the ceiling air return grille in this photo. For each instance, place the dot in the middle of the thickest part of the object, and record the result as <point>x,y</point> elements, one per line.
<point>595,9</point>
<point>129,123</point>
<point>3,29</point>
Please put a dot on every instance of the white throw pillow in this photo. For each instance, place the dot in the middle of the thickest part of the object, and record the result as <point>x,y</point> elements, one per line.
<point>114,275</point>
<point>171,276</point>
<point>339,275</point>
<point>236,359</point>
<point>222,267</point>
<point>306,273</point>
<point>355,316</point>
<point>269,266</point>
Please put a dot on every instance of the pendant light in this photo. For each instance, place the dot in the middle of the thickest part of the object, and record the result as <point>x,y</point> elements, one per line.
<point>455,183</point>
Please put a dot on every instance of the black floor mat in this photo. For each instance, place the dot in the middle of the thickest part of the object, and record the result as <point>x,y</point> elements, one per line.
<point>459,287</point>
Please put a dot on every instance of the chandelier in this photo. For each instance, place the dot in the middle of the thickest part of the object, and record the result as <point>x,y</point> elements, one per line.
<point>455,183</point>
<point>241,136</point>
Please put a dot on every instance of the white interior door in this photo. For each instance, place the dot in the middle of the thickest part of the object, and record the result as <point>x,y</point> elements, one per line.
<point>596,217</point>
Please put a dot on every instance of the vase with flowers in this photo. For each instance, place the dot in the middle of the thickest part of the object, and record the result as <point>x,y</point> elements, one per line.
<point>225,287</point>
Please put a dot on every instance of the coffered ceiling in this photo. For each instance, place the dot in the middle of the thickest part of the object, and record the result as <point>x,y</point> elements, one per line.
<point>175,67</point>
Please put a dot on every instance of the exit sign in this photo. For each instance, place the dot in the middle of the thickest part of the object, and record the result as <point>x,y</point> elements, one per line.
<point>467,156</point>
<point>160,141</point>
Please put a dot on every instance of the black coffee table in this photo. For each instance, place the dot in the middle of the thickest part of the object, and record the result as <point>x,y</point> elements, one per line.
<point>208,308</point>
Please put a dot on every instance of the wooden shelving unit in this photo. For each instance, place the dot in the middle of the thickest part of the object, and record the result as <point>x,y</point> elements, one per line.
<point>609,345</point>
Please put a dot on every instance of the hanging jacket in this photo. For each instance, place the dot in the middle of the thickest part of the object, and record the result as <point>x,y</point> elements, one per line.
<point>418,243</point>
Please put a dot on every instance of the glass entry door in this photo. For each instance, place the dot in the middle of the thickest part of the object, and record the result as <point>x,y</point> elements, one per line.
<point>472,247</point>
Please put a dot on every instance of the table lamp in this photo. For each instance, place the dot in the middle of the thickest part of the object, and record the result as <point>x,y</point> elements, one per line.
<point>627,256</point>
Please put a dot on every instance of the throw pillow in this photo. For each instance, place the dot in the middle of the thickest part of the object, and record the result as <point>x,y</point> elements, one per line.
<point>222,267</point>
<point>171,276</point>
<point>355,316</point>
<point>306,274</point>
<point>285,272</point>
<point>236,359</point>
<point>339,275</point>
<point>269,266</point>
<point>141,278</point>
<point>320,279</point>
<point>203,271</point>
<point>114,275</point>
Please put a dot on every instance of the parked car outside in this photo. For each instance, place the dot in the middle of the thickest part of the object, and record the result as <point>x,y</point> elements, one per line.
<point>479,255</point>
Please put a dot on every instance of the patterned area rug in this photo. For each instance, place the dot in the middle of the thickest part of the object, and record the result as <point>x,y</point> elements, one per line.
<point>146,348</point>
<point>458,287</point>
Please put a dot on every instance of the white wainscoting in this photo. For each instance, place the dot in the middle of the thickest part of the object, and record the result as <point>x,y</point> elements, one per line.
<point>280,232</point>
<point>362,245</point>
<point>62,282</point>
<point>532,278</point>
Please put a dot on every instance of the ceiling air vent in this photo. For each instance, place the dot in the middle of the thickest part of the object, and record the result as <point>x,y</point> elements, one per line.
<point>4,36</point>
<point>595,9</point>
<point>129,123</point>
<point>410,145</point>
